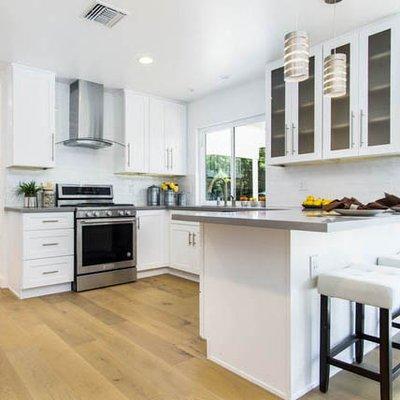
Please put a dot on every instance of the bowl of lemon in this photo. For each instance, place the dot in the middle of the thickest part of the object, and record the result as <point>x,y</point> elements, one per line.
<point>312,202</point>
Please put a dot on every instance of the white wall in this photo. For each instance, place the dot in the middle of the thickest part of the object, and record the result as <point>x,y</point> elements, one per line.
<point>223,106</point>
<point>287,186</point>
<point>79,165</point>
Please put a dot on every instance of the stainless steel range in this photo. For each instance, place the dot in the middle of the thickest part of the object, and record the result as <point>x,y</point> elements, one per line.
<point>105,236</point>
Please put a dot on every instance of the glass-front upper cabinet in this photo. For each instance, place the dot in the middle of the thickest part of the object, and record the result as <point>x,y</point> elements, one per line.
<point>340,114</point>
<point>306,112</point>
<point>379,88</point>
<point>294,114</point>
<point>278,101</point>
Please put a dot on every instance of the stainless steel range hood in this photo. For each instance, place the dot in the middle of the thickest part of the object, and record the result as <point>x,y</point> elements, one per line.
<point>86,111</point>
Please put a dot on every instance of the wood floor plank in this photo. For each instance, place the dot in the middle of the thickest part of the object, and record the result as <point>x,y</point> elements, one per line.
<point>161,375</point>
<point>11,386</point>
<point>221,381</point>
<point>82,380</point>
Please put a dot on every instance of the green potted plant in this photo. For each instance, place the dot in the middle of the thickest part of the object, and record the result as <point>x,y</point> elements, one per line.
<point>29,190</point>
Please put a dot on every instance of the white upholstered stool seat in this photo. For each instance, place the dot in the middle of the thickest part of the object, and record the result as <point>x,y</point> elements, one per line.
<point>390,261</point>
<point>373,285</point>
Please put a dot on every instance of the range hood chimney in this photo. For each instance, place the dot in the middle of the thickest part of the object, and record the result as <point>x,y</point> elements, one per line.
<point>86,109</point>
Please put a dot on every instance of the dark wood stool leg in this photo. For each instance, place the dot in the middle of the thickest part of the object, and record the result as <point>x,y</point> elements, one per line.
<point>385,354</point>
<point>325,343</point>
<point>360,312</point>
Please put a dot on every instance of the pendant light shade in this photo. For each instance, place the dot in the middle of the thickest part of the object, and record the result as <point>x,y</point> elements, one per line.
<point>335,75</point>
<point>297,55</point>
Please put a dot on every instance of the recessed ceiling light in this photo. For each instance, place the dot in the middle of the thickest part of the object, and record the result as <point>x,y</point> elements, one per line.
<point>224,77</point>
<point>145,60</point>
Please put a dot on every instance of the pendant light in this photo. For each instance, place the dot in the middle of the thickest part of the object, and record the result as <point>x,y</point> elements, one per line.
<point>335,67</point>
<point>297,55</point>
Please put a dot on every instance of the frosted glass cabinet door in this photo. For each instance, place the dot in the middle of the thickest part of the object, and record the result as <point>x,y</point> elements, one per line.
<point>340,114</point>
<point>306,125</point>
<point>278,115</point>
<point>379,91</point>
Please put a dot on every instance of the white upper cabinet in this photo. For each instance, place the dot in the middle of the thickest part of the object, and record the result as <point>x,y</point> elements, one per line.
<point>158,157</point>
<point>136,124</point>
<point>340,114</point>
<point>155,136</point>
<point>303,125</point>
<point>294,113</point>
<point>306,112</point>
<point>29,117</point>
<point>175,139</point>
<point>379,77</point>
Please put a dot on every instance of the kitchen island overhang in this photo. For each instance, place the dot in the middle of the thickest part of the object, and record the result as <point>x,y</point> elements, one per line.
<point>259,305</point>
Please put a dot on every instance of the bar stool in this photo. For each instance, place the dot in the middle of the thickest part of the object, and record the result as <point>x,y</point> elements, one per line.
<point>377,286</point>
<point>391,261</point>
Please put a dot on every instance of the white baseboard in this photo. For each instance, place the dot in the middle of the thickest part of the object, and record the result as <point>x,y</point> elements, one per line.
<point>167,270</point>
<point>41,291</point>
<point>249,378</point>
<point>183,274</point>
<point>152,272</point>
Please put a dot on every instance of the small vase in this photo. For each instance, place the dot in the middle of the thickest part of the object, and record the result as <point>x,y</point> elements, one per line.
<point>30,202</point>
<point>169,198</point>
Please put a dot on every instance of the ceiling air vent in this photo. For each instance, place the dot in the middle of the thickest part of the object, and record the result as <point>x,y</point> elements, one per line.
<point>104,14</point>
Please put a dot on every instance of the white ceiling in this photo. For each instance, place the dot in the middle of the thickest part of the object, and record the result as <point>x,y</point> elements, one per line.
<point>194,42</point>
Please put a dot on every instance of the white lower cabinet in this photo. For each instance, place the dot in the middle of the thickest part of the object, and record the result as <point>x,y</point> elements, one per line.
<point>152,239</point>
<point>49,271</point>
<point>40,253</point>
<point>185,245</point>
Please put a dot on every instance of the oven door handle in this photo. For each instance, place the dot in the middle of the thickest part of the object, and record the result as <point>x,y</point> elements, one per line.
<point>106,221</point>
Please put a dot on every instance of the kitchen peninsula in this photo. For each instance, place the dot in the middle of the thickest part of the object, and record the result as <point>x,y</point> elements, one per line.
<point>259,306</point>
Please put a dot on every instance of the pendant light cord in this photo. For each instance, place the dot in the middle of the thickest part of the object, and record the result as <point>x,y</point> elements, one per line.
<point>334,24</point>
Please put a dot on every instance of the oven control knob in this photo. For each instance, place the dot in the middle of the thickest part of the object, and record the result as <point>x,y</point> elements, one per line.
<point>121,213</point>
<point>88,214</point>
<point>127,212</point>
<point>96,214</point>
<point>109,213</point>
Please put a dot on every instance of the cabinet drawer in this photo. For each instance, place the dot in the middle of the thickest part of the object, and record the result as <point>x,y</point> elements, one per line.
<point>49,243</point>
<point>50,271</point>
<point>47,221</point>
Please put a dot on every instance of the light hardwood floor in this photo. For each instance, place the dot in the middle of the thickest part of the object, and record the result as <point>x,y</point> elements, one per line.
<point>137,341</point>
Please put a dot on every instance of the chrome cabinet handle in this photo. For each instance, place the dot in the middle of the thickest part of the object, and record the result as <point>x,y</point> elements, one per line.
<point>49,272</point>
<point>50,221</point>
<point>138,223</point>
<point>352,129</point>
<point>194,239</point>
<point>50,244</point>
<point>172,158</point>
<point>293,146</point>
<point>286,139</point>
<point>167,158</point>
<point>362,115</point>
<point>52,146</point>
<point>190,239</point>
<point>129,154</point>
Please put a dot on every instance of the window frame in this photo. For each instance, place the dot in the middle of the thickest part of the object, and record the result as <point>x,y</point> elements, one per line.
<point>232,125</point>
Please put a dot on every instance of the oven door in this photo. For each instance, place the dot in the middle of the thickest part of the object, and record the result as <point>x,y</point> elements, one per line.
<point>105,244</point>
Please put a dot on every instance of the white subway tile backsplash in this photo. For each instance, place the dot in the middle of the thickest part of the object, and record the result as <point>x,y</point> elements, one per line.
<point>365,179</point>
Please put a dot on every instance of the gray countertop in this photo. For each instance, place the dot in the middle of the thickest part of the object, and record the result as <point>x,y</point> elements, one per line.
<point>289,219</point>
<point>25,210</point>
<point>138,208</point>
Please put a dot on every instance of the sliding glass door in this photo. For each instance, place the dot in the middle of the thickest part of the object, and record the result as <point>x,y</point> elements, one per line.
<point>234,162</point>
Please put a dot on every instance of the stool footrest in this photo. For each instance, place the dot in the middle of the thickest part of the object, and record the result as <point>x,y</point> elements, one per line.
<point>374,339</point>
<point>343,345</point>
<point>354,368</point>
